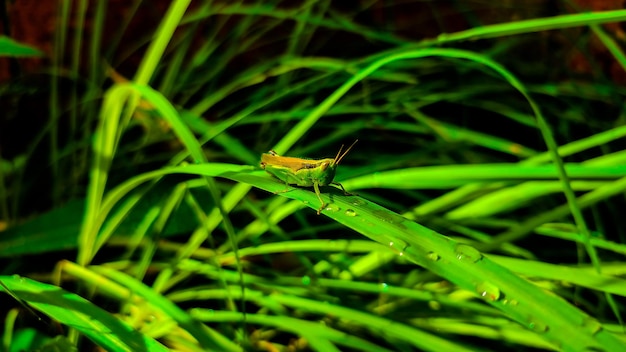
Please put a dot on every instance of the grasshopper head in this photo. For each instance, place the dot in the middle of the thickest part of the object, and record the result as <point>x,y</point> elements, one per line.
<point>329,166</point>
<point>327,174</point>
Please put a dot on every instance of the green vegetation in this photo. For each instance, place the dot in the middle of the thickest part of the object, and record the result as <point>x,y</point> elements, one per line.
<point>486,188</point>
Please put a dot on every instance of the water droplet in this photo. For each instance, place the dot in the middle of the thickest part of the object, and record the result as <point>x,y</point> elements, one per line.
<point>384,287</point>
<point>537,326</point>
<point>388,216</point>
<point>398,246</point>
<point>511,302</point>
<point>592,325</point>
<point>306,280</point>
<point>350,212</point>
<point>332,207</point>
<point>433,256</point>
<point>467,253</point>
<point>488,291</point>
<point>357,202</point>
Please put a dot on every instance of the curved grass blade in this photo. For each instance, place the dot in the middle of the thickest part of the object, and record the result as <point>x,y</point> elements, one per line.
<point>72,310</point>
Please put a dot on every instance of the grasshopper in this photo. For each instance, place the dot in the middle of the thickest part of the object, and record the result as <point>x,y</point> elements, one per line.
<point>304,172</point>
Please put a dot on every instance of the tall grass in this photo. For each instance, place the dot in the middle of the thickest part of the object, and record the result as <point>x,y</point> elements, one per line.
<point>486,189</point>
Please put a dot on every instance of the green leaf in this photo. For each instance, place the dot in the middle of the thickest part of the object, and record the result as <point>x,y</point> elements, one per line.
<point>99,326</point>
<point>11,48</point>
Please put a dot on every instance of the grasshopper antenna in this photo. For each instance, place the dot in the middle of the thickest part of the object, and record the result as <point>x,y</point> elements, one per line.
<point>338,158</point>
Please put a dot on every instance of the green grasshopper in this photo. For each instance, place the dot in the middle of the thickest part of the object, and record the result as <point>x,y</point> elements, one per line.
<point>304,172</point>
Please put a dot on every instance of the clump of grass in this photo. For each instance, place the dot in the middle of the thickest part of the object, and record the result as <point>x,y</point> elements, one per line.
<point>484,214</point>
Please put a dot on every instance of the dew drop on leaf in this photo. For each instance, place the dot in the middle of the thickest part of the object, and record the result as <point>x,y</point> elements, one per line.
<point>511,302</point>
<point>433,256</point>
<point>357,202</point>
<point>467,253</point>
<point>398,246</point>
<point>537,326</point>
<point>388,216</point>
<point>332,208</point>
<point>488,291</point>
